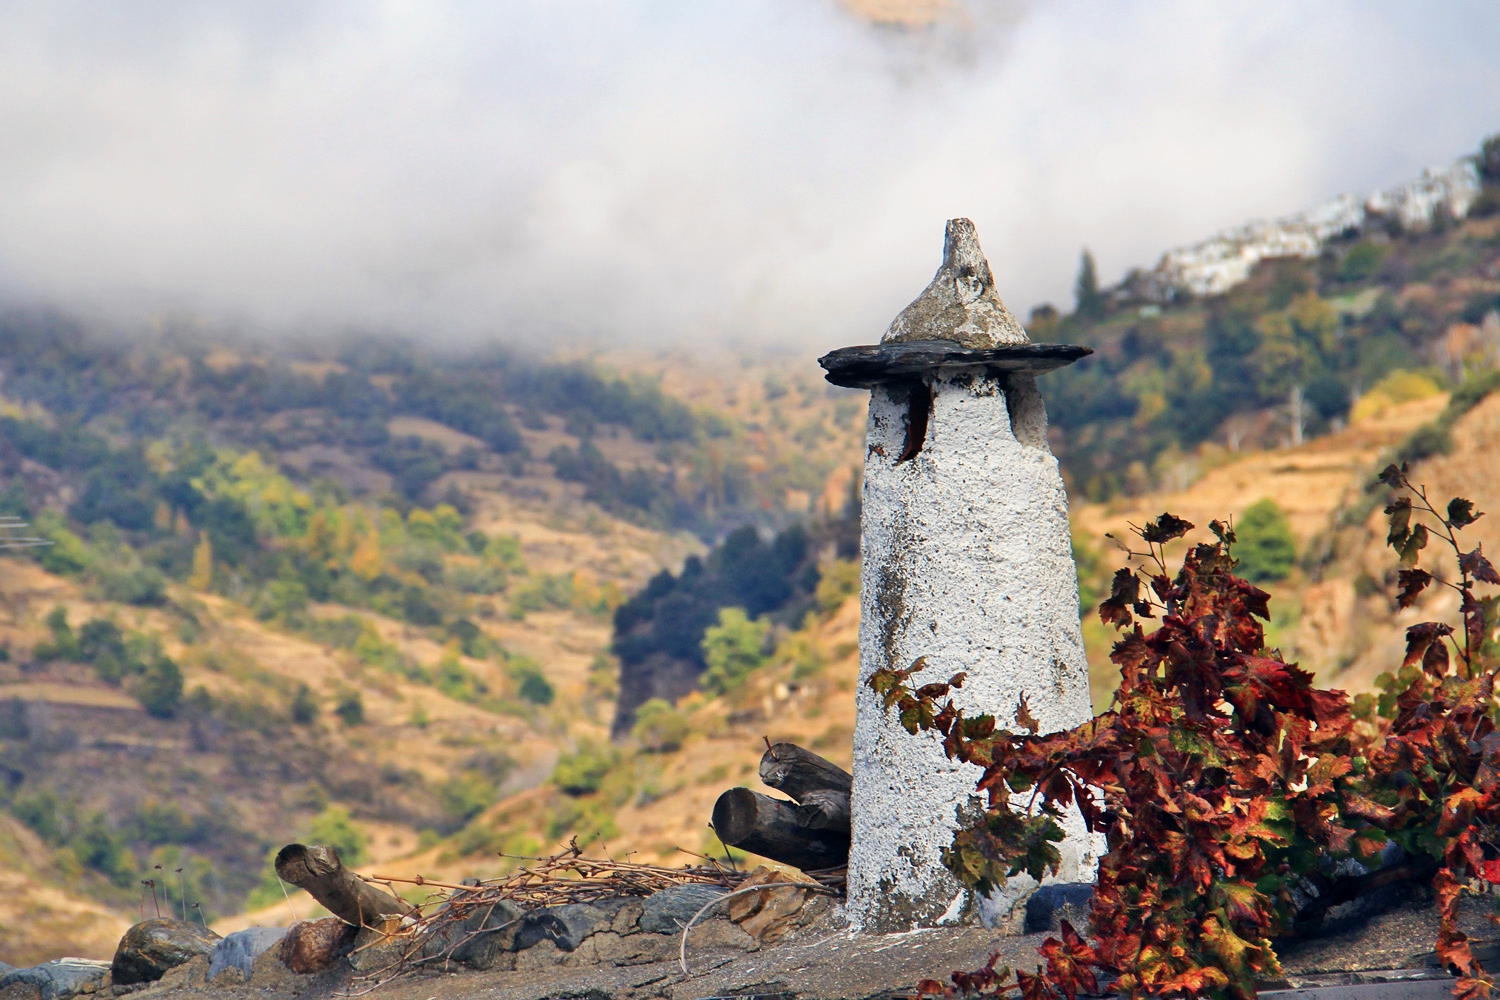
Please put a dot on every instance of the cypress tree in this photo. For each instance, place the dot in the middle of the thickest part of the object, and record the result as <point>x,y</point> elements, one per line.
<point>1086,288</point>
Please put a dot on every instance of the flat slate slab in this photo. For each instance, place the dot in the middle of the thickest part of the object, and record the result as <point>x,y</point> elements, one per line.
<point>875,364</point>
<point>1427,988</point>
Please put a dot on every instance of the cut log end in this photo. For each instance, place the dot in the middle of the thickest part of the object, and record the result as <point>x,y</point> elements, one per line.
<point>735,815</point>
<point>321,872</point>
<point>789,768</point>
<point>778,830</point>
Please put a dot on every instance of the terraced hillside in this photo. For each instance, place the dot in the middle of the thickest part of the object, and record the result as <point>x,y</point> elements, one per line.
<point>383,598</point>
<point>249,629</point>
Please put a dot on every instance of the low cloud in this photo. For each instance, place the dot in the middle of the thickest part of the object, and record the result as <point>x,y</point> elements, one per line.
<point>674,172</point>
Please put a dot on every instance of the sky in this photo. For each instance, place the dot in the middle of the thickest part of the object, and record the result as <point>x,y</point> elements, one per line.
<point>679,172</point>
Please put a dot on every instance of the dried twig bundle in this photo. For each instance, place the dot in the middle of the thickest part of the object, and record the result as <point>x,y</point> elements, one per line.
<point>458,916</point>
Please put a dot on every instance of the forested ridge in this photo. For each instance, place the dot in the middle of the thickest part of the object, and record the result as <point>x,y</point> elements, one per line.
<point>1282,357</point>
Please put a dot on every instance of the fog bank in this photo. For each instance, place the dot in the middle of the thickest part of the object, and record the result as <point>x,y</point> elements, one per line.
<point>675,171</point>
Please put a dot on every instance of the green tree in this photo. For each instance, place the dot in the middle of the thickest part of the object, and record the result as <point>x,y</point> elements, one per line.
<point>1362,261</point>
<point>465,795</point>
<point>64,644</point>
<point>732,649</point>
<point>160,689</point>
<point>1086,288</point>
<point>67,554</point>
<point>334,827</point>
<point>1489,159</point>
<point>350,709</point>
<point>104,850</point>
<point>582,771</point>
<point>1282,360</point>
<point>533,686</point>
<point>659,727</point>
<point>304,706</point>
<point>1266,549</point>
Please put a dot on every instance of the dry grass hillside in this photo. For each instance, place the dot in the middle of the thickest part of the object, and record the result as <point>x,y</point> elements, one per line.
<point>443,783</point>
<point>238,775</point>
<point>653,803</point>
<point>1335,612</point>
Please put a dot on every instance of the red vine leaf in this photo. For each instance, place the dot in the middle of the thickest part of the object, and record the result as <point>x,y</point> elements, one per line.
<point>1400,515</point>
<point>1221,777</point>
<point>1412,546</point>
<point>1124,593</point>
<point>1032,987</point>
<point>1024,718</point>
<point>1412,583</point>
<point>1070,963</point>
<point>1474,988</point>
<point>1392,476</point>
<point>1461,513</point>
<point>1421,638</point>
<point>1165,528</point>
<point>1476,565</point>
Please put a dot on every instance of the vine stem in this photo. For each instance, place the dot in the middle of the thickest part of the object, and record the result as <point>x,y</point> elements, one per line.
<point>1465,585</point>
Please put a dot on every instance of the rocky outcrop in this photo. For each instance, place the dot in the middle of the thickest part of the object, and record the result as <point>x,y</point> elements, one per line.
<point>152,947</point>
<point>240,949</point>
<point>55,980</point>
<point>668,911</point>
<point>315,945</point>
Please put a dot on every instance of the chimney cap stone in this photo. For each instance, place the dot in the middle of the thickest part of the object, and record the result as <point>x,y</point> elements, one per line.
<point>958,321</point>
<point>867,366</point>
<point>960,304</point>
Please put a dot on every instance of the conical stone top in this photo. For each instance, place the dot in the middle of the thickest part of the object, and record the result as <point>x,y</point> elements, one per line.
<point>960,305</point>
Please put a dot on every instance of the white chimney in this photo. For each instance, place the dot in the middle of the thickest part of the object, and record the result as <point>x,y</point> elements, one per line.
<point>967,561</point>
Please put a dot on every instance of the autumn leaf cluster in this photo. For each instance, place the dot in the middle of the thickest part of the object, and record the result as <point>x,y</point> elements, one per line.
<point>1231,793</point>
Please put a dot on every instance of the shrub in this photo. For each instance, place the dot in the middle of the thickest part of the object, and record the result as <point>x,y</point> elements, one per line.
<point>532,685</point>
<point>334,827</point>
<point>583,771</point>
<point>660,727</point>
<point>283,599</point>
<point>158,823</point>
<point>350,709</point>
<point>304,709</point>
<point>104,850</point>
<point>41,813</point>
<point>101,637</point>
<point>66,555</point>
<point>160,688</point>
<point>1396,388</point>
<point>471,638</point>
<point>64,644</point>
<point>132,584</point>
<point>1425,442</point>
<point>464,796</point>
<point>838,581</point>
<point>543,591</point>
<point>455,680</point>
<point>1362,261</point>
<point>732,649</point>
<point>1266,550</point>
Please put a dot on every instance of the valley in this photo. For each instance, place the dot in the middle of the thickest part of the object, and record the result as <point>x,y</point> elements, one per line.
<point>442,610</point>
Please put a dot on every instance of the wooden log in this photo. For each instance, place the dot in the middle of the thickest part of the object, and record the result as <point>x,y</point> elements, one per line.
<point>342,893</point>
<point>788,768</point>
<point>825,809</point>
<point>821,786</point>
<point>778,830</point>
